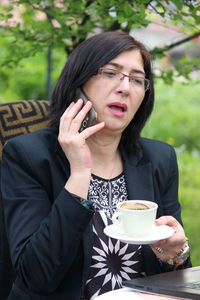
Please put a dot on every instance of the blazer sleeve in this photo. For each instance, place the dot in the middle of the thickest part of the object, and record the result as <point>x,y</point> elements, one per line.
<point>167,177</point>
<point>166,181</point>
<point>44,237</point>
<point>170,200</point>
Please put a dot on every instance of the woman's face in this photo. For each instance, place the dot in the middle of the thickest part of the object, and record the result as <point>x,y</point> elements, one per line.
<point>116,99</point>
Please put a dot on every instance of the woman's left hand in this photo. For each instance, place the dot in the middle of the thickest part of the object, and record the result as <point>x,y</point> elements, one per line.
<point>169,248</point>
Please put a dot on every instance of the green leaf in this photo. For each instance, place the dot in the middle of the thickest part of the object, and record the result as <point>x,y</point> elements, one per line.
<point>128,10</point>
<point>142,11</point>
<point>178,3</point>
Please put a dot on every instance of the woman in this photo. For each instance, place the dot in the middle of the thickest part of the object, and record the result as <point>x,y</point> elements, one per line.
<point>60,185</point>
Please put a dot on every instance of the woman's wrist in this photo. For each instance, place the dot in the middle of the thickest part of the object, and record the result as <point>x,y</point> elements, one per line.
<point>84,202</point>
<point>181,257</point>
<point>78,183</point>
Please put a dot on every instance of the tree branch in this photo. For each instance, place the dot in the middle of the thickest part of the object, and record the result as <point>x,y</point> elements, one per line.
<point>173,45</point>
<point>76,41</point>
<point>116,25</point>
<point>157,12</point>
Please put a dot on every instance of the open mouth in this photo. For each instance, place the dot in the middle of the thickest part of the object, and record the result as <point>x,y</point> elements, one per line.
<point>118,106</point>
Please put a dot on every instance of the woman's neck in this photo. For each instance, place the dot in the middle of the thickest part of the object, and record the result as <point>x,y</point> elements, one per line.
<point>106,158</point>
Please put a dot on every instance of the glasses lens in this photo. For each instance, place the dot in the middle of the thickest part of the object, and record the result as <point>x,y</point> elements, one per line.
<point>108,73</point>
<point>138,82</point>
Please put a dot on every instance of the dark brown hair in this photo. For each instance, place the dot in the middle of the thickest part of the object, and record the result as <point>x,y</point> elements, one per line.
<point>84,62</point>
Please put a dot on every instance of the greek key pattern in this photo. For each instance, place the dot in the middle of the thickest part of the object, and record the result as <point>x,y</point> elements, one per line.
<point>22,117</point>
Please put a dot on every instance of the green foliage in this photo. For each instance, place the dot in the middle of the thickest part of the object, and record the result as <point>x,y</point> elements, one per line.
<point>179,123</point>
<point>64,24</point>
<point>186,65</point>
<point>28,79</point>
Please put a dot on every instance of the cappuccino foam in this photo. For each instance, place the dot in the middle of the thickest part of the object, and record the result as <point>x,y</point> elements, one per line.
<point>134,206</point>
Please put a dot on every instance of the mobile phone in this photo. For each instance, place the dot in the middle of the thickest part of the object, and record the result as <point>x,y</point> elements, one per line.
<point>91,117</point>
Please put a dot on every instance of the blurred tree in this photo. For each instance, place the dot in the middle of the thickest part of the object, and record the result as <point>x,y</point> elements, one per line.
<point>32,26</point>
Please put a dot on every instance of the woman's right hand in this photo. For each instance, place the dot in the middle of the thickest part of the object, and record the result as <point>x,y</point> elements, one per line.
<point>74,145</point>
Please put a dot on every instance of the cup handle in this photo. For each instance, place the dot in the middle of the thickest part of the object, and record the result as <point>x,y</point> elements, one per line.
<point>116,219</point>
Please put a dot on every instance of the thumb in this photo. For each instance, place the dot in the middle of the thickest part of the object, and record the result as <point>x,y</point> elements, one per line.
<point>166,220</point>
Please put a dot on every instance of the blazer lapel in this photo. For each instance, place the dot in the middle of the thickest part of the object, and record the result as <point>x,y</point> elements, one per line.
<point>138,176</point>
<point>139,182</point>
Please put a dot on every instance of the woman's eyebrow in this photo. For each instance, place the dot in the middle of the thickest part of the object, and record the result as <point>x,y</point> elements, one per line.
<point>120,67</point>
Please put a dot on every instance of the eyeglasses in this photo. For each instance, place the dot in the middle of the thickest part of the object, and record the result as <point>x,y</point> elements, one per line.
<point>137,82</point>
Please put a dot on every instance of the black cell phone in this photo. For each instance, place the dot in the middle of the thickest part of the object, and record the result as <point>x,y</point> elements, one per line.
<point>91,116</point>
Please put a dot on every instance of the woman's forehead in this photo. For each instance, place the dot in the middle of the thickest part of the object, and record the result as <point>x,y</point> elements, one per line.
<point>130,59</point>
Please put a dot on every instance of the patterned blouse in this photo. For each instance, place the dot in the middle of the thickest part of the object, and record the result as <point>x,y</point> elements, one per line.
<point>112,261</point>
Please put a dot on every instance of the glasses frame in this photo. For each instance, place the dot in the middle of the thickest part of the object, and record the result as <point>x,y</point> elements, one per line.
<point>146,81</point>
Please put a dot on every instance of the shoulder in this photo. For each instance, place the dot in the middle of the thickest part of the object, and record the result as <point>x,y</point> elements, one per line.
<point>154,144</point>
<point>38,135</point>
<point>33,142</point>
<point>157,151</point>
<point>155,147</point>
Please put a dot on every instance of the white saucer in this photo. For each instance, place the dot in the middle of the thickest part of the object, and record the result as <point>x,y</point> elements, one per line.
<point>158,233</point>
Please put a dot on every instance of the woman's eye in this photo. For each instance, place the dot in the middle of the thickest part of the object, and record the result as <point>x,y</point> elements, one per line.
<point>138,81</point>
<point>109,73</point>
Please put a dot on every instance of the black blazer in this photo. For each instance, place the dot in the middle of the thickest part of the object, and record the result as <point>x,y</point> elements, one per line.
<point>49,231</point>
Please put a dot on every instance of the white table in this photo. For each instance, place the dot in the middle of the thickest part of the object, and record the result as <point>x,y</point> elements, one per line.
<point>124,293</point>
<point>129,294</point>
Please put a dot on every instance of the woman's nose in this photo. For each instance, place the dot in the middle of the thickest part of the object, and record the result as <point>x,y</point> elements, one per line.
<point>123,85</point>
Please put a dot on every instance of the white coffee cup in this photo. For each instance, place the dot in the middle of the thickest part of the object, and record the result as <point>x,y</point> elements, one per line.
<point>136,218</point>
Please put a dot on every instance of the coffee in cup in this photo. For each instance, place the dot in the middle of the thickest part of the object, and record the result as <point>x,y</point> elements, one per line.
<point>136,218</point>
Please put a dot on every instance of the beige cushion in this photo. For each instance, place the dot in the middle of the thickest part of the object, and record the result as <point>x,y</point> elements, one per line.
<point>22,117</point>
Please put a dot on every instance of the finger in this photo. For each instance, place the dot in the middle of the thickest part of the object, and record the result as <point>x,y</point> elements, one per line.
<point>171,246</point>
<point>162,254</point>
<point>165,253</point>
<point>92,130</point>
<point>166,249</point>
<point>71,104</point>
<point>69,114</point>
<point>76,123</point>
<point>68,109</point>
<point>73,109</point>
<point>166,220</point>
